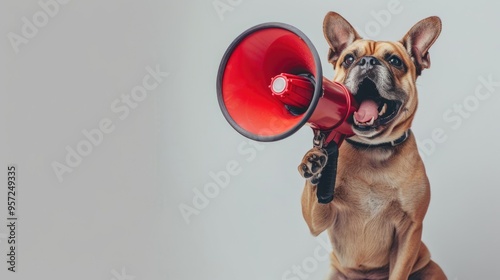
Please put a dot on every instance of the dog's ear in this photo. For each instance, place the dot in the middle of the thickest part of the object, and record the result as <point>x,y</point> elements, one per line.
<point>419,39</point>
<point>339,33</point>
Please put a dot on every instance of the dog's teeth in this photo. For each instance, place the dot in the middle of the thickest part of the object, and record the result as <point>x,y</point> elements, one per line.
<point>382,111</point>
<point>368,123</point>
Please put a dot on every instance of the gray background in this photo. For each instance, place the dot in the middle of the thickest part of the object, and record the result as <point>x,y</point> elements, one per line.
<point>116,215</point>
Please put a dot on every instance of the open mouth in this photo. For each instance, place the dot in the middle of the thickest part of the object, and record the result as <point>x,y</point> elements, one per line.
<point>374,110</point>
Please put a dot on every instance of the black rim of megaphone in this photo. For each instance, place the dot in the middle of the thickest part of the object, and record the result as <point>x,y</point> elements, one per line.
<point>318,81</point>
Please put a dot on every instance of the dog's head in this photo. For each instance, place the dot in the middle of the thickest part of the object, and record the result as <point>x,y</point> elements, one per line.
<point>381,75</point>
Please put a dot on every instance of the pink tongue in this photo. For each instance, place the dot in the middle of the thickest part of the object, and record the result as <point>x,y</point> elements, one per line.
<point>368,109</point>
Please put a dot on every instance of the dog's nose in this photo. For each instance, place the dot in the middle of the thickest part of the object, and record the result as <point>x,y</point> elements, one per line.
<point>368,62</point>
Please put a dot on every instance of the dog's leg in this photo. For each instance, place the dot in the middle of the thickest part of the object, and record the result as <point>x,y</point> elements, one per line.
<point>403,259</point>
<point>431,271</point>
<point>317,216</point>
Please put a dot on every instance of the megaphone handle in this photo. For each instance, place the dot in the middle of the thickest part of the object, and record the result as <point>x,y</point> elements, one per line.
<point>326,185</point>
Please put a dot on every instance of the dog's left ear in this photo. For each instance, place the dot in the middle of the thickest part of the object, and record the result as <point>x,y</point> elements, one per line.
<point>419,39</point>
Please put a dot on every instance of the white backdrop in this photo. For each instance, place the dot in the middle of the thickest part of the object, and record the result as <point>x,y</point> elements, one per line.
<point>109,112</point>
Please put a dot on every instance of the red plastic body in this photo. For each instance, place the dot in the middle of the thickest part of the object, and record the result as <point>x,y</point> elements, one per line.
<point>333,111</point>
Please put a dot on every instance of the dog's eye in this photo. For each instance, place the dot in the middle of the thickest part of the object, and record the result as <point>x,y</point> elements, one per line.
<point>394,60</point>
<point>348,60</point>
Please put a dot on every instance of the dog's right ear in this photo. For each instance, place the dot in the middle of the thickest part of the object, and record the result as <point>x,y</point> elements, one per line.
<point>339,33</point>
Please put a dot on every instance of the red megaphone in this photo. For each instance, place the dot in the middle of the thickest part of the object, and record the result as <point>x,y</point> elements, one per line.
<point>270,84</point>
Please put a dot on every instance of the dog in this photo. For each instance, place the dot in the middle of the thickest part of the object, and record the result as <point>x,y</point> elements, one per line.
<point>382,191</point>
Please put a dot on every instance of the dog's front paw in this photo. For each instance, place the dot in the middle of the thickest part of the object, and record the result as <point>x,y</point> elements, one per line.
<point>312,164</point>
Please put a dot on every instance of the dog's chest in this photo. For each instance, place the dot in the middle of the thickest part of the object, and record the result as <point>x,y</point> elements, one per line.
<point>374,203</point>
<point>369,200</point>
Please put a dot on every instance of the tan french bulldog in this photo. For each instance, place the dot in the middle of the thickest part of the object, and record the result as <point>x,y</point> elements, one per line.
<point>382,192</point>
